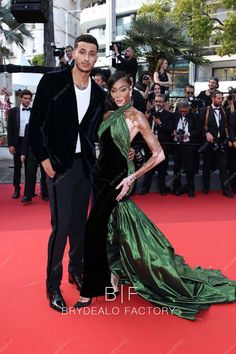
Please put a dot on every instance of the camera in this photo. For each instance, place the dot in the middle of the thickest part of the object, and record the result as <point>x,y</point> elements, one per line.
<point>146,77</point>
<point>58,52</point>
<point>139,157</point>
<point>180,133</point>
<point>221,147</point>
<point>195,102</point>
<point>120,45</point>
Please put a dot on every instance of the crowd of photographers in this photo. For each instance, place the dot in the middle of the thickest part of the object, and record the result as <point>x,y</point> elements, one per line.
<point>197,133</point>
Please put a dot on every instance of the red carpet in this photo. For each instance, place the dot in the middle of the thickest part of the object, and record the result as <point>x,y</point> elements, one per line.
<point>201,229</point>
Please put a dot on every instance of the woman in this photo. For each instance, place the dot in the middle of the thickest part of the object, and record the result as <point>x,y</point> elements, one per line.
<point>162,77</point>
<point>122,240</point>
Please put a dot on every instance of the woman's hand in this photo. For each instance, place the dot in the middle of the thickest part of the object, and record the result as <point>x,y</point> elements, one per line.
<point>125,184</point>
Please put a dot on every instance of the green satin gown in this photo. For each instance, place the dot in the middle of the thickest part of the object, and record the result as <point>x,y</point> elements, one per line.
<point>121,239</point>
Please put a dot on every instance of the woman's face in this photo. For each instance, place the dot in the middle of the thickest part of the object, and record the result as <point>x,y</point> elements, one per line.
<point>156,90</point>
<point>120,92</point>
<point>165,65</point>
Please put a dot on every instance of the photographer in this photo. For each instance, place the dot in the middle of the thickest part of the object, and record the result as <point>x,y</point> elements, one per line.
<point>206,95</point>
<point>143,85</point>
<point>214,127</point>
<point>128,63</point>
<point>161,122</point>
<point>229,103</point>
<point>232,151</point>
<point>186,135</point>
<point>195,103</point>
<point>65,56</point>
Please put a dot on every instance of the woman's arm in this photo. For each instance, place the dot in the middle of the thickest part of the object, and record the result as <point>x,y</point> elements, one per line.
<point>162,83</point>
<point>157,154</point>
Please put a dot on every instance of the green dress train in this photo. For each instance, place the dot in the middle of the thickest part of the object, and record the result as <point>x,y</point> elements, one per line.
<point>121,239</point>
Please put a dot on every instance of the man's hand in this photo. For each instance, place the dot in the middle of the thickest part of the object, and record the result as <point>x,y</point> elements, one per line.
<point>12,150</point>
<point>116,49</point>
<point>157,121</point>
<point>47,166</point>
<point>209,137</point>
<point>131,154</point>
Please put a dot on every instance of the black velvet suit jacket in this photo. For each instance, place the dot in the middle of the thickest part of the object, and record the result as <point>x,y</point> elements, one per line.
<point>232,126</point>
<point>54,124</point>
<point>212,125</point>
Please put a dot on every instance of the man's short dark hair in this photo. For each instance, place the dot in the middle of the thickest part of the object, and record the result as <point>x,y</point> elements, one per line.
<point>26,92</point>
<point>216,92</point>
<point>88,38</point>
<point>190,86</point>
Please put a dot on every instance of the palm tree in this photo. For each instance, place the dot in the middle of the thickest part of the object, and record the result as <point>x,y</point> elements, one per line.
<point>154,38</point>
<point>10,31</point>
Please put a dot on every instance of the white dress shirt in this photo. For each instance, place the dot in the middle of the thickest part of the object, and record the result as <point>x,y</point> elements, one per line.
<point>24,119</point>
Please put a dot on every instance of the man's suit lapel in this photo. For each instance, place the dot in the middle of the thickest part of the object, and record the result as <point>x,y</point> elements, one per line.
<point>18,119</point>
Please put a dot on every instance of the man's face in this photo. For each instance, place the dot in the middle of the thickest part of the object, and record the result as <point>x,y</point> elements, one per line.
<point>26,100</point>
<point>129,52</point>
<point>212,85</point>
<point>217,100</point>
<point>69,53</point>
<point>183,111</point>
<point>98,80</point>
<point>189,91</point>
<point>159,103</point>
<point>85,56</point>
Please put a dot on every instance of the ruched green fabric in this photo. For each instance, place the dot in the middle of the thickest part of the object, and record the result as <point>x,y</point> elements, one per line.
<point>140,255</point>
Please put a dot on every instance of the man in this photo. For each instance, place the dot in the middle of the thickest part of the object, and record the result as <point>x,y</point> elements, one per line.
<point>67,60</point>
<point>232,151</point>
<point>161,122</point>
<point>214,126</point>
<point>206,96</point>
<point>186,136</point>
<point>128,64</point>
<point>18,117</point>
<point>67,111</point>
<point>28,158</point>
<point>99,78</point>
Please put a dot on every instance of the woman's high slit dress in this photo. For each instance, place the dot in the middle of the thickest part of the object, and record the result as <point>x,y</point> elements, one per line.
<point>121,239</point>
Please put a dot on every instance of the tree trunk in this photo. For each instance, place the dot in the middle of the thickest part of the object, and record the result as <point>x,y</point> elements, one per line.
<point>49,59</point>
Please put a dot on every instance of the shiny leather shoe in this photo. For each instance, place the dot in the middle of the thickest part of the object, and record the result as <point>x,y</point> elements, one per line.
<point>205,191</point>
<point>227,194</point>
<point>143,192</point>
<point>80,304</point>
<point>16,194</point>
<point>46,199</point>
<point>75,279</point>
<point>56,301</point>
<point>191,194</point>
<point>26,199</point>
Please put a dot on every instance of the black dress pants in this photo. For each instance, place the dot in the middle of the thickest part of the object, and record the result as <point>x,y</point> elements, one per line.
<point>17,162</point>
<point>214,158</point>
<point>184,162</point>
<point>232,167</point>
<point>31,176</point>
<point>69,196</point>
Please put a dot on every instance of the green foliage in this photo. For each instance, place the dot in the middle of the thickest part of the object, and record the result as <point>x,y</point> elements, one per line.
<point>38,60</point>
<point>198,20</point>
<point>162,37</point>
<point>12,31</point>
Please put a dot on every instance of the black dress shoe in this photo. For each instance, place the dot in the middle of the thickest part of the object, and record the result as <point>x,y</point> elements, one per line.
<point>205,190</point>
<point>46,199</point>
<point>75,279</point>
<point>16,194</point>
<point>191,194</point>
<point>143,192</point>
<point>163,192</point>
<point>26,199</point>
<point>80,304</point>
<point>227,194</point>
<point>177,192</point>
<point>56,300</point>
